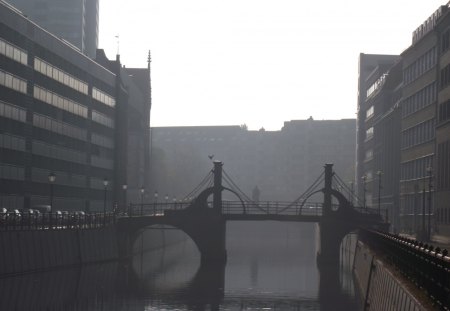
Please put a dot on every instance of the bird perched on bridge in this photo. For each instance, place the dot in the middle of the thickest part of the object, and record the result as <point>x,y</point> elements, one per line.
<point>211,156</point>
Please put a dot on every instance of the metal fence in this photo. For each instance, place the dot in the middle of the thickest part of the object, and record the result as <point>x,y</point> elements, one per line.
<point>54,221</point>
<point>230,207</point>
<point>426,266</point>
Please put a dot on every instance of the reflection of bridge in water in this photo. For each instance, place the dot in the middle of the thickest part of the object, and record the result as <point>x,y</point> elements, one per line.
<point>205,222</point>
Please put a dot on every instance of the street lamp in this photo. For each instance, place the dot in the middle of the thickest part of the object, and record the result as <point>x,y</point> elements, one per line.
<point>364,178</point>
<point>124,188</point>
<point>174,202</point>
<point>351,192</point>
<point>105,184</point>
<point>430,186</point>
<point>51,179</point>
<point>142,199</point>
<point>167,198</point>
<point>379,173</point>
<point>156,202</point>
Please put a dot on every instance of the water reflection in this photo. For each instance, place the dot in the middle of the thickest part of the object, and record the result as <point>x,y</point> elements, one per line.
<point>270,267</point>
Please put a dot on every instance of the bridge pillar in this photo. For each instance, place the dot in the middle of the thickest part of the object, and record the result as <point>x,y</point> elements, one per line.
<point>217,200</point>
<point>208,230</point>
<point>327,189</point>
<point>332,232</point>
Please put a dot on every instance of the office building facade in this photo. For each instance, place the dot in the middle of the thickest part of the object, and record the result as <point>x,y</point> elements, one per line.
<point>64,113</point>
<point>73,20</point>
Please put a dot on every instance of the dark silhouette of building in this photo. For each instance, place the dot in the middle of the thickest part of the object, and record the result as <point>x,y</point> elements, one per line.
<point>73,20</point>
<point>61,112</point>
<point>282,163</point>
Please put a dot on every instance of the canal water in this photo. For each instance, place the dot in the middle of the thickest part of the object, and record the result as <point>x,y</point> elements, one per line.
<point>271,266</point>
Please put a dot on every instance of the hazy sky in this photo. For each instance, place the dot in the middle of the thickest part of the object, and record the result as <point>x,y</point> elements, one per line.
<point>256,62</point>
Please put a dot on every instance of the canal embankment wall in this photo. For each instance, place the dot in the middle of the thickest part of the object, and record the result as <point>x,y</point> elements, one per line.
<point>24,251</point>
<point>381,288</point>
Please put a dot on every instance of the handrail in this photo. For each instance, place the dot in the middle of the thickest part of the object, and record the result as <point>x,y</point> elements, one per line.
<point>426,266</point>
<point>54,221</point>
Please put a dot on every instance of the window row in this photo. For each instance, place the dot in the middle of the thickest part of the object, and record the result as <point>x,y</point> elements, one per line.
<point>102,140</point>
<point>415,169</point>
<point>419,134</point>
<point>420,66</point>
<point>59,101</point>
<point>62,178</point>
<point>13,52</point>
<point>57,152</point>
<point>411,203</point>
<point>12,172</point>
<point>12,112</point>
<point>102,162</point>
<point>13,82</point>
<point>369,133</point>
<point>11,201</point>
<point>103,97</point>
<point>59,127</point>
<point>419,100</point>
<point>370,112</point>
<point>444,111</point>
<point>443,216</point>
<point>60,76</point>
<point>102,119</point>
<point>443,163</point>
<point>12,142</point>
<point>369,155</point>
<point>445,77</point>
<point>379,83</point>
<point>445,40</point>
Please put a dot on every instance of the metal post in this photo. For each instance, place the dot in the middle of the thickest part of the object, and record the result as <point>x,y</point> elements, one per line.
<point>124,187</point>
<point>142,200</point>
<point>51,179</point>
<point>364,178</point>
<point>423,211</point>
<point>429,170</point>
<point>379,173</point>
<point>156,203</point>
<point>105,183</point>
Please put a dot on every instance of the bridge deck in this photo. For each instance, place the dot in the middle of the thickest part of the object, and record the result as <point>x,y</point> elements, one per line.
<point>276,217</point>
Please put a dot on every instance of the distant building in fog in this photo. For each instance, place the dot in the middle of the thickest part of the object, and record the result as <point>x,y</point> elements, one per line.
<point>73,20</point>
<point>64,113</point>
<point>282,164</point>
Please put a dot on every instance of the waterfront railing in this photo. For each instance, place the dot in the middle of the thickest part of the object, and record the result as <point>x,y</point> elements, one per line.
<point>425,265</point>
<point>55,221</point>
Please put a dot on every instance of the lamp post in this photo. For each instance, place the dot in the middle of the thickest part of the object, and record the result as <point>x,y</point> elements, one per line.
<point>350,199</point>
<point>156,202</point>
<point>174,202</point>
<point>51,179</point>
<point>105,184</point>
<point>142,199</point>
<point>167,198</point>
<point>430,186</point>
<point>379,173</point>
<point>124,188</point>
<point>364,178</point>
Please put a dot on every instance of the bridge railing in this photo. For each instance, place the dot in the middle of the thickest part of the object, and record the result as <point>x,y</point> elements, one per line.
<point>272,208</point>
<point>54,221</point>
<point>231,207</point>
<point>424,265</point>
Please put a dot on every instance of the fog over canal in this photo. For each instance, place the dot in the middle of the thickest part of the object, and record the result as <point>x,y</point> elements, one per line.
<point>271,266</point>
